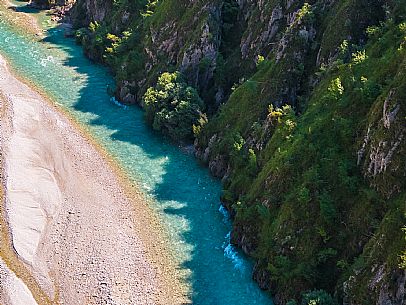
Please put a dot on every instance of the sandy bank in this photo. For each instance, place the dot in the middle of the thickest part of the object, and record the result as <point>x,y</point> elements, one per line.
<point>72,222</point>
<point>20,19</point>
<point>13,291</point>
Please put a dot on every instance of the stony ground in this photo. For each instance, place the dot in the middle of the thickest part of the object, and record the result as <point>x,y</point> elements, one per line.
<point>86,237</point>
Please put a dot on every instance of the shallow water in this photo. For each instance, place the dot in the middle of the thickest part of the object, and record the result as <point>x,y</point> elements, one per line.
<point>183,194</point>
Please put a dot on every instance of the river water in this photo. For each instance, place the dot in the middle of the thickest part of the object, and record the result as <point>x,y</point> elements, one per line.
<point>182,192</point>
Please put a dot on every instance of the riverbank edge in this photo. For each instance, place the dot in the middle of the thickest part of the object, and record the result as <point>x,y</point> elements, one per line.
<point>158,249</point>
<point>7,251</point>
<point>28,26</point>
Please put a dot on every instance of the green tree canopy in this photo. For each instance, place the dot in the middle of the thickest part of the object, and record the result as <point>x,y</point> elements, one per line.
<point>173,107</point>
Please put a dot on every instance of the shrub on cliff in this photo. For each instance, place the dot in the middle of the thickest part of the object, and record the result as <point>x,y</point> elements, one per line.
<point>173,107</point>
<point>318,297</point>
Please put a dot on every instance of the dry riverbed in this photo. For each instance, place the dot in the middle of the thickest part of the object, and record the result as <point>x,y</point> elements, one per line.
<point>81,233</point>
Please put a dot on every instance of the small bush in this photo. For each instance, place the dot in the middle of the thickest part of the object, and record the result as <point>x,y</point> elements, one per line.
<point>318,297</point>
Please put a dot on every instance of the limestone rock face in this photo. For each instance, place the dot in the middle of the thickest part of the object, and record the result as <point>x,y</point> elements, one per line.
<point>86,11</point>
<point>382,152</point>
<point>191,47</point>
<point>97,11</point>
<point>395,295</point>
<point>45,4</point>
<point>379,287</point>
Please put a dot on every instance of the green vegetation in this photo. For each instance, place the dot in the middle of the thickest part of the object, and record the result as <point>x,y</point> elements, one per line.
<point>306,126</point>
<point>316,297</point>
<point>173,107</point>
<point>306,212</point>
<point>121,51</point>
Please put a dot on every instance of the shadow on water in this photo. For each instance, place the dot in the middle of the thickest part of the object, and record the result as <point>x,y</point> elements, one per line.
<point>25,9</point>
<point>184,192</point>
<point>186,196</point>
<point>22,7</point>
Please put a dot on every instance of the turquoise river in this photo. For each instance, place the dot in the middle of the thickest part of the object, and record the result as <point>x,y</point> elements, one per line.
<point>182,192</point>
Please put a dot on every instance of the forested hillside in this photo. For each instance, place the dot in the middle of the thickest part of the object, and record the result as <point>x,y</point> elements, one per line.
<point>299,107</point>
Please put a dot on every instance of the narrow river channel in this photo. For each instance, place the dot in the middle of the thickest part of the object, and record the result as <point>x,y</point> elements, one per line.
<point>182,192</point>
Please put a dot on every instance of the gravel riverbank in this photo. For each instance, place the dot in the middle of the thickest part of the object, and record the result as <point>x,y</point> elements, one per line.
<point>83,235</point>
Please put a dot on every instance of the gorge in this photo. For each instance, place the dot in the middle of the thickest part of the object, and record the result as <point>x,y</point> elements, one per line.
<point>179,191</point>
<point>298,107</point>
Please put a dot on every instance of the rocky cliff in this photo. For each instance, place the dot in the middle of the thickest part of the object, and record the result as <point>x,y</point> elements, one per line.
<point>306,107</point>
